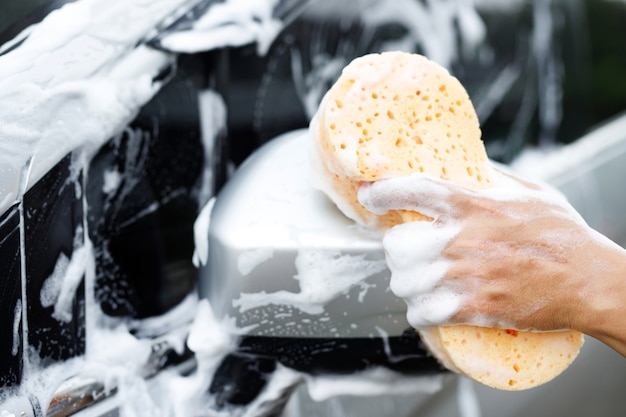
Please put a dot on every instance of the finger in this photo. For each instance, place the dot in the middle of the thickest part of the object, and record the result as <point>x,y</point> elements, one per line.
<point>418,192</point>
<point>433,308</point>
<point>414,254</point>
<point>408,283</point>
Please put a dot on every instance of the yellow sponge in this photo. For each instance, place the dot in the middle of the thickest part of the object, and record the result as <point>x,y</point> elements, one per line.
<point>395,114</point>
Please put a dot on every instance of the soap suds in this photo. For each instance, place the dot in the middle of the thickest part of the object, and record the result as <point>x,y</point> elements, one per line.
<point>59,289</point>
<point>250,259</point>
<point>111,180</point>
<point>231,23</point>
<point>201,234</point>
<point>213,112</point>
<point>53,103</point>
<point>211,340</point>
<point>17,319</point>
<point>322,276</point>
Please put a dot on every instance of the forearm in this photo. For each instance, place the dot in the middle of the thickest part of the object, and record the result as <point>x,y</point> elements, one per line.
<point>603,303</point>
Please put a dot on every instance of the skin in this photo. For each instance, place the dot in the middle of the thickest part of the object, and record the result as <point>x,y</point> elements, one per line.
<point>523,257</point>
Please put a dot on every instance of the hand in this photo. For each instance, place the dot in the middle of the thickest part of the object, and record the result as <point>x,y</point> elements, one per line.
<point>514,255</point>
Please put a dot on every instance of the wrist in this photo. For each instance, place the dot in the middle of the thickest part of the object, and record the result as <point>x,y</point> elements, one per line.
<point>603,301</point>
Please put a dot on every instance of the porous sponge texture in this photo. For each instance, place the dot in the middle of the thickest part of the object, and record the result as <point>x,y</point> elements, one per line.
<point>395,114</point>
<point>505,359</point>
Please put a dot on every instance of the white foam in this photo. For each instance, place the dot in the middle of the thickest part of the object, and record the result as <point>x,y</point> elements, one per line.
<point>175,322</point>
<point>201,234</point>
<point>322,276</point>
<point>51,287</point>
<point>59,289</point>
<point>232,23</point>
<point>17,319</point>
<point>250,259</point>
<point>210,340</point>
<point>71,280</point>
<point>53,103</point>
<point>212,110</point>
<point>112,179</point>
<point>419,192</point>
<point>414,249</point>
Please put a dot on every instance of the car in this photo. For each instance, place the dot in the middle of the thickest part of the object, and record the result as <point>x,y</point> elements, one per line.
<point>130,134</point>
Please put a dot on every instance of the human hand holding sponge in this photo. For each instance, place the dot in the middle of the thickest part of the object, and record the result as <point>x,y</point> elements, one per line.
<point>390,138</point>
